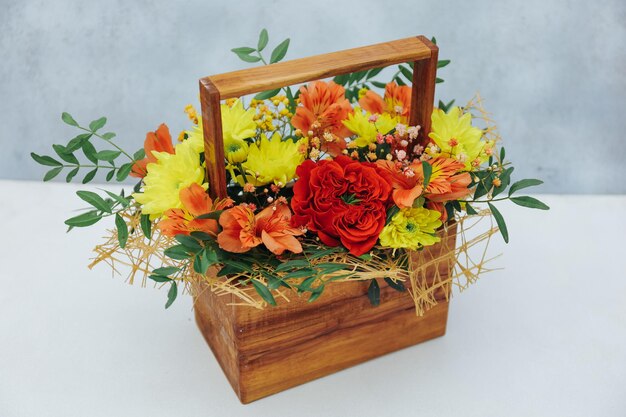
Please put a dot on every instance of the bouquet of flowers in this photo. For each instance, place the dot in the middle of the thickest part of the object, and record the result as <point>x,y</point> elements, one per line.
<point>326,182</point>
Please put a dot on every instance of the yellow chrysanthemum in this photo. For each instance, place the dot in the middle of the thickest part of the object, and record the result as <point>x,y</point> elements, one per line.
<point>359,123</point>
<point>454,134</point>
<point>170,174</point>
<point>237,124</point>
<point>411,228</point>
<point>273,160</point>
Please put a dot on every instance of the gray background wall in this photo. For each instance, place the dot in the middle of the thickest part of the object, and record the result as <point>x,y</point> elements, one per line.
<point>553,73</point>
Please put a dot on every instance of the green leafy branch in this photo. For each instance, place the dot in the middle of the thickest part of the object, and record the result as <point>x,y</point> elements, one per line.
<point>253,55</point>
<point>492,182</point>
<point>100,160</point>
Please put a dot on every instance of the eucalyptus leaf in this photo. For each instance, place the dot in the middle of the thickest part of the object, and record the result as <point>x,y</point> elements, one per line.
<point>83,220</point>
<point>52,173</point>
<point>45,160</point>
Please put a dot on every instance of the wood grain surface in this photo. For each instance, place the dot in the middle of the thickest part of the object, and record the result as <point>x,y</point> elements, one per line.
<point>266,351</point>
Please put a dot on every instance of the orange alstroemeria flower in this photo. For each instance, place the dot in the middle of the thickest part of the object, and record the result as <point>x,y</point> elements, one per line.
<point>196,202</point>
<point>448,181</point>
<point>159,141</point>
<point>323,107</point>
<point>407,185</point>
<point>397,101</point>
<point>243,230</point>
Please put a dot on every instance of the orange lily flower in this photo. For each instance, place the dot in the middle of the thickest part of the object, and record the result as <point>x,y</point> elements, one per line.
<point>397,101</point>
<point>196,202</point>
<point>159,141</point>
<point>323,108</point>
<point>242,230</point>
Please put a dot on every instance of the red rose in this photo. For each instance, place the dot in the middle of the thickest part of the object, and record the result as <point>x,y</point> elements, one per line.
<point>343,201</point>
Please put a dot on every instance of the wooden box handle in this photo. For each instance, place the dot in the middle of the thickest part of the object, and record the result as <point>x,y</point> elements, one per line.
<point>214,88</point>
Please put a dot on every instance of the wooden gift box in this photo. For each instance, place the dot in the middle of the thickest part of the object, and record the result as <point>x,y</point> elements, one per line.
<point>266,351</point>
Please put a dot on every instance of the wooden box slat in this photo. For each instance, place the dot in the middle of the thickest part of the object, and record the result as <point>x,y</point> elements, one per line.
<point>266,351</point>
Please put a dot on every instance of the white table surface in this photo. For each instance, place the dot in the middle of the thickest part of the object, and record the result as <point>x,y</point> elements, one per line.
<point>544,336</point>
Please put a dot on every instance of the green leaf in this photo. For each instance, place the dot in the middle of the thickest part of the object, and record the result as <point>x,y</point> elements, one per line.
<point>392,211</point>
<point>378,84</point>
<point>355,77</point>
<point>433,40</point>
<point>399,81</point>
<point>442,63</point>
<point>280,51</point>
<point>428,171</point>
<point>330,267</point>
<point>243,50</point>
<point>248,57</point>
<point>120,199</point>
<point>500,221</point>
<point>521,184</point>
<point>502,154</point>
<point>530,202</point>
<point>306,284</point>
<point>108,135</point>
<point>83,220</point>
<point>90,176</point>
<point>438,80</point>
<point>67,118</point>
<point>201,235</point>
<point>373,72</point>
<point>64,155</point>
<point>95,200</point>
<point>300,273</point>
<point>97,124</point>
<point>199,263</point>
<point>166,270</point>
<point>123,171</point>
<point>90,151</point>
<point>214,215</point>
<point>146,225</point>
<point>52,173</point>
<point>171,295</point>
<point>76,143</point>
<point>159,278</point>
<point>107,155</point>
<point>342,79</point>
<point>263,291</point>
<point>188,242</point>
<point>110,175</point>
<point>71,174</point>
<point>296,263</point>
<point>315,294</point>
<point>122,230</point>
<point>396,285</point>
<point>470,210</point>
<point>177,252</point>
<point>45,160</point>
<point>263,39</point>
<point>505,180</point>
<point>373,293</point>
<point>406,72</point>
<point>139,155</point>
<point>267,94</point>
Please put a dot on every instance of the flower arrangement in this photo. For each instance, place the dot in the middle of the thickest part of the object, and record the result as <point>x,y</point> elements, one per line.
<point>326,182</point>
